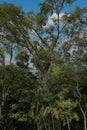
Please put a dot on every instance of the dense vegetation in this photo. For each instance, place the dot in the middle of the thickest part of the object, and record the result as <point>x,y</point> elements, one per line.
<point>45,88</point>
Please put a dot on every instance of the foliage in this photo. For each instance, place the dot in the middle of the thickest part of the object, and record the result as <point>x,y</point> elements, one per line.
<point>53,95</point>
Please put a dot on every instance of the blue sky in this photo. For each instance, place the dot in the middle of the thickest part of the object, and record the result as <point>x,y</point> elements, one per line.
<point>26,4</point>
<point>29,5</point>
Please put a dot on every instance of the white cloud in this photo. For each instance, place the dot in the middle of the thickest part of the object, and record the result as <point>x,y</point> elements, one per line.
<point>54,17</point>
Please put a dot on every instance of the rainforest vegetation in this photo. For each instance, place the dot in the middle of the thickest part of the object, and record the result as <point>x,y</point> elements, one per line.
<point>43,67</point>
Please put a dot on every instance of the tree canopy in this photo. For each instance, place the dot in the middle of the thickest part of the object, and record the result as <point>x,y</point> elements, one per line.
<point>45,87</point>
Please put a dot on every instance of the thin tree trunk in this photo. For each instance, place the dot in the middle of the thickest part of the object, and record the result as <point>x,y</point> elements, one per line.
<point>53,123</point>
<point>68,124</point>
<point>0,111</point>
<point>84,116</point>
<point>85,127</point>
<point>45,126</point>
<point>59,122</point>
<point>38,126</point>
<point>4,128</point>
<point>49,124</point>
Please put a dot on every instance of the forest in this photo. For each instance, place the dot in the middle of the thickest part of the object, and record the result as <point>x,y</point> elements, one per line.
<point>43,67</point>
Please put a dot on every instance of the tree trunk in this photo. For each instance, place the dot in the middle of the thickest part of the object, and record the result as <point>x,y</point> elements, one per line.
<point>49,124</point>
<point>59,122</point>
<point>4,128</point>
<point>85,127</point>
<point>84,116</point>
<point>0,111</point>
<point>53,123</point>
<point>45,125</point>
<point>38,126</point>
<point>68,124</point>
